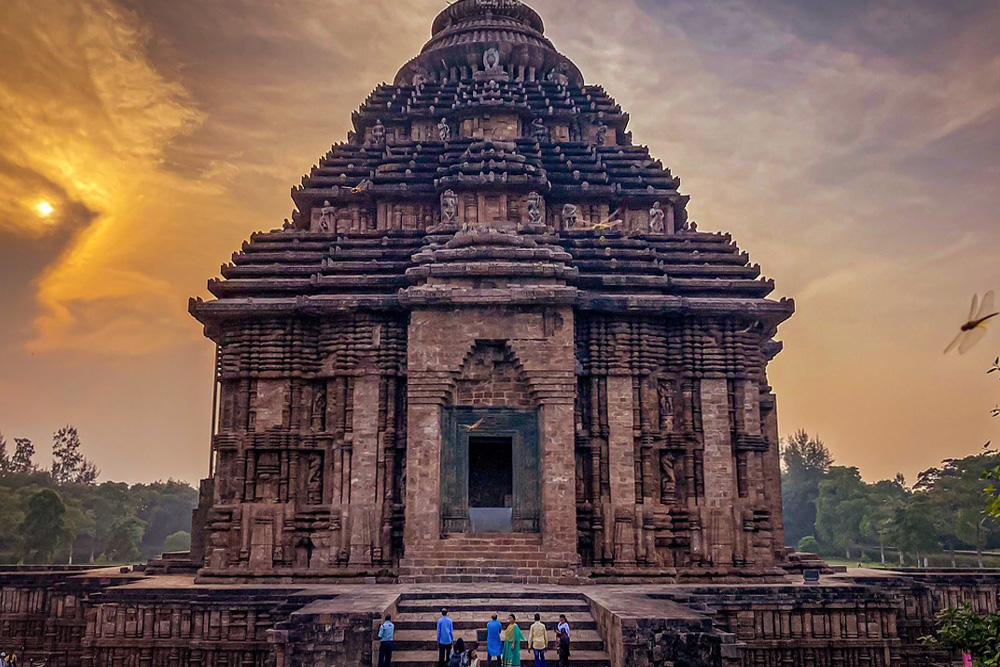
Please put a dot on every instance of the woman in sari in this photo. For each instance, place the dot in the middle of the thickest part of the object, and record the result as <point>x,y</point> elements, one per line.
<point>512,640</point>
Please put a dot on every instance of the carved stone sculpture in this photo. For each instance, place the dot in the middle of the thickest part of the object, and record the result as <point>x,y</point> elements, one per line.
<point>668,479</point>
<point>535,202</point>
<point>602,134</point>
<point>491,60</point>
<point>378,133</point>
<point>444,130</point>
<point>327,218</point>
<point>449,208</point>
<point>570,216</point>
<point>539,132</point>
<point>656,219</point>
<point>665,397</point>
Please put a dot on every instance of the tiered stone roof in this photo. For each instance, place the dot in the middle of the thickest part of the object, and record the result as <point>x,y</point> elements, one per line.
<point>429,133</point>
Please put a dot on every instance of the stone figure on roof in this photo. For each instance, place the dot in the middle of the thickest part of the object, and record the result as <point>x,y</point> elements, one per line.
<point>570,216</point>
<point>602,134</point>
<point>444,130</point>
<point>535,202</point>
<point>328,217</point>
<point>449,208</point>
<point>656,219</point>
<point>539,132</point>
<point>378,133</point>
<point>491,60</point>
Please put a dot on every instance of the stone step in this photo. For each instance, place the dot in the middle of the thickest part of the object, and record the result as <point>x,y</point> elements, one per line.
<point>424,639</point>
<point>487,606</point>
<point>491,595</point>
<point>577,659</point>
<point>563,579</point>
<point>468,620</point>
<point>475,568</point>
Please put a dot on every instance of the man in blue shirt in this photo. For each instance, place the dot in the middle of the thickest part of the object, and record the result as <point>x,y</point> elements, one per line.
<point>386,635</point>
<point>494,642</point>
<point>445,638</point>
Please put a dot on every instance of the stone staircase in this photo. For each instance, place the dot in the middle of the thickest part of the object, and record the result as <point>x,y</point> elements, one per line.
<point>516,559</point>
<point>417,615</point>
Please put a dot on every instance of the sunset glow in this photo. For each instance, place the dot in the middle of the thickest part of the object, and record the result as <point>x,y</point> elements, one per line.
<point>45,209</point>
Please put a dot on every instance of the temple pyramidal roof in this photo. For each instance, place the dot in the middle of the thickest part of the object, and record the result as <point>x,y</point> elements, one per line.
<point>428,135</point>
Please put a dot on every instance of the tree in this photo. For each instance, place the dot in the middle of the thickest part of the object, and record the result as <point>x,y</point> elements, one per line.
<point>840,508</point>
<point>44,526</point>
<point>963,630</point>
<point>68,463</point>
<point>885,498</point>
<point>24,454</point>
<point>808,545</point>
<point>124,538</point>
<point>4,456</point>
<point>179,541</point>
<point>915,528</point>
<point>805,463</point>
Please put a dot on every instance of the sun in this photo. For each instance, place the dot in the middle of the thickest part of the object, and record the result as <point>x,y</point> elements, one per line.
<point>44,209</point>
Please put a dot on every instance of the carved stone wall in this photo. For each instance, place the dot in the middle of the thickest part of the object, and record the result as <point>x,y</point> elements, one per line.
<point>673,454</point>
<point>305,482</point>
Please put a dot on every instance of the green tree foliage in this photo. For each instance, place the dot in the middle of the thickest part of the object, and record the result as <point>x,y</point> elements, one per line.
<point>68,463</point>
<point>124,539</point>
<point>945,511</point>
<point>805,463</point>
<point>840,508</point>
<point>114,521</point>
<point>44,526</point>
<point>4,456</point>
<point>179,541</point>
<point>962,630</point>
<point>23,460</point>
<point>808,545</point>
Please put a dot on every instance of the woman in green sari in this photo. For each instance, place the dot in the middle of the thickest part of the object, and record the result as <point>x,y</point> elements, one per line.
<point>512,639</point>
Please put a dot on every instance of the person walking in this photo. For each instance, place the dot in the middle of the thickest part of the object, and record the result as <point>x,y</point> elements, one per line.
<point>563,640</point>
<point>538,640</point>
<point>445,638</point>
<point>512,640</point>
<point>494,642</point>
<point>386,636</point>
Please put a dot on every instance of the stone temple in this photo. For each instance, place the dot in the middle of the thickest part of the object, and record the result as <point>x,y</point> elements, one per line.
<point>491,314</point>
<point>490,364</point>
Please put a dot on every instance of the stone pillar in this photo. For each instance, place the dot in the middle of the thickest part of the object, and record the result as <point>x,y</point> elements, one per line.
<point>423,470</point>
<point>772,475</point>
<point>720,473</point>
<point>621,462</point>
<point>558,459</point>
<point>364,468</point>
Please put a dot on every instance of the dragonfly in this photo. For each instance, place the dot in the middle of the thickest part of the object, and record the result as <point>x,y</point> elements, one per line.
<point>974,330</point>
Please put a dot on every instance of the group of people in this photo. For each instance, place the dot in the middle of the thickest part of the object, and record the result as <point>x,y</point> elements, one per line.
<point>503,644</point>
<point>9,660</point>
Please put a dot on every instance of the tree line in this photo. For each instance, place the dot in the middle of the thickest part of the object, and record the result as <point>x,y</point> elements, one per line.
<point>830,509</point>
<point>61,514</point>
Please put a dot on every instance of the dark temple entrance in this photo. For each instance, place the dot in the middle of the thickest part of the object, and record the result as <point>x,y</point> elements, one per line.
<point>491,484</point>
<point>490,471</point>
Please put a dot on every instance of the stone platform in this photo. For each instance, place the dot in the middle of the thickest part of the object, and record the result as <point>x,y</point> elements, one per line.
<point>107,618</point>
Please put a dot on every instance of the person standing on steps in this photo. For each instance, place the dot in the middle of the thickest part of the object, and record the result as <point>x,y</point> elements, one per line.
<point>386,635</point>
<point>494,642</point>
<point>538,640</point>
<point>512,640</point>
<point>563,640</point>
<point>445,638</point>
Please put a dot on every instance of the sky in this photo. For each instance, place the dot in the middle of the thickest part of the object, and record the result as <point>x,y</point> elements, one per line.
<point>851,147</point>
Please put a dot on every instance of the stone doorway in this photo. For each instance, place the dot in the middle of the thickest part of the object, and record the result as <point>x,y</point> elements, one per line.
<point>490,471</point>
<point>491,484</point>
